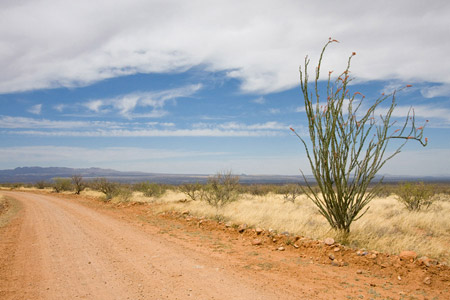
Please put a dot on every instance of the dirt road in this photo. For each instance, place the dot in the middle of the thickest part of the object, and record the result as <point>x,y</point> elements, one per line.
<point>64,248</point>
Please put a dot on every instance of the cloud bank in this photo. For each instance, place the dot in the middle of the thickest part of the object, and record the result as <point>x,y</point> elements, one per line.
<point>49,43</point>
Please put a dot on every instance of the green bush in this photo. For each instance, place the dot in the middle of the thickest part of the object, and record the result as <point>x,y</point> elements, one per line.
<point>222,189</point>
<point>124,194</point>
<point>150,189</point>
<point>193,191</point>
<point>78,184</point>
<point>62,184</point>
<point>106,187</point>
<point>290,192</point>
<point>415,196</point>
<point>42,184</point>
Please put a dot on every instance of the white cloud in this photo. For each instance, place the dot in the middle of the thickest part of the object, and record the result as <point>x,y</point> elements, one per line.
<point>35,109</point>
<point>94,105</point>
<point>258,42</point>
<point>147,133</point>
<point>436,91</point>
<point>274,111</point>
<point>60,107</point>
<point>48,128</point>
<point>125,105</point>
<point>259,100</point>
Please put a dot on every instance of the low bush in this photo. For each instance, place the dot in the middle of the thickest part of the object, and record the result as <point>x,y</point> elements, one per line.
<point>193,191</point>
<point>415,196</point>
<point>150,189</point>
<point>106,187</point>
<point>290,192</point>
<point>222,189</point>
<point>62,184</point>
<point>42,184</point>
<point>124,194</point>
<point>78,184</point>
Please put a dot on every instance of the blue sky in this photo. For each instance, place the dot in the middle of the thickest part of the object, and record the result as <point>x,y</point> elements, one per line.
<point>203,86</point>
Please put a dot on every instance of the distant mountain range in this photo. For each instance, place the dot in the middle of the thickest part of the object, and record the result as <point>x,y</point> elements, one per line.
<point>34,174</point>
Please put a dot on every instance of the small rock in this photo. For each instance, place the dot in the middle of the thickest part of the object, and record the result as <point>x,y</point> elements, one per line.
<point>424,261</point>
<point>373,256</point>
<point>427,280</point>
<point>335,263</point>
<point>242,228</point>
<point>256,242</point>
<point>280,249</point>
<point>408,255</point>
<point>186,212</point>
<point>359,271</point>
<point>274,240</point>
<point>258,230</point>
<point>331,256</point>
<point>296,246</point>
<point>328,241</point>
<point>337,249</point>
<point>228,224</point>
<point>399,277</point>
<point>361,253</point>
<point>285,233</point>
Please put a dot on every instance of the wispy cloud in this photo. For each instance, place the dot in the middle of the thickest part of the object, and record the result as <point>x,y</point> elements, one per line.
<point>148,133</point>
<point>35,109</point>
<point>125,105</point>
<point>48,128</point>
<point>259,100</point>
<point>436,91</point>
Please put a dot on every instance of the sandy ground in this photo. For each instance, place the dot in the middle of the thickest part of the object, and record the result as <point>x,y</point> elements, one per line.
<point>67,247</point>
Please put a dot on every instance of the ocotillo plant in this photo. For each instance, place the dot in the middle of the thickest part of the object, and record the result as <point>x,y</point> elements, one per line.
<point>348,145</point>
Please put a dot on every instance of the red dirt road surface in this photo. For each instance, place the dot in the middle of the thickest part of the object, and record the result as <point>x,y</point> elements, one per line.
<point>67,247</point>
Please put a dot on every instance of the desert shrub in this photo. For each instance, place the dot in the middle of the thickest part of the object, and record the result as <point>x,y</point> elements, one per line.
<point>348,144</point>
<point>258,189</point>
<point>193,191</point>
<point>290,192</point>
<point>16,185</point>
<point>62,184</point>
<point>123,193</point>
<point>106,187</point>
<point>150,189</point>
<point>415,196</point>
<point>222,189</point>
<point>78,184</point>
<point>41,184</point>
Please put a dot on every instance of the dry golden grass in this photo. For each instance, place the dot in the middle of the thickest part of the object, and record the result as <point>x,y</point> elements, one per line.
<point>387,226</point>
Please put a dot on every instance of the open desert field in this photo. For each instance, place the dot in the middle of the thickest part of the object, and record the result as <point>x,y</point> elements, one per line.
<point>63,246</point>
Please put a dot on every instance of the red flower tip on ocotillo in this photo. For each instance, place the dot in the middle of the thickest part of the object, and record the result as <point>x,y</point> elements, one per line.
<point>408,85</point>
<point>292,129</point>
<point>353,53</point>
